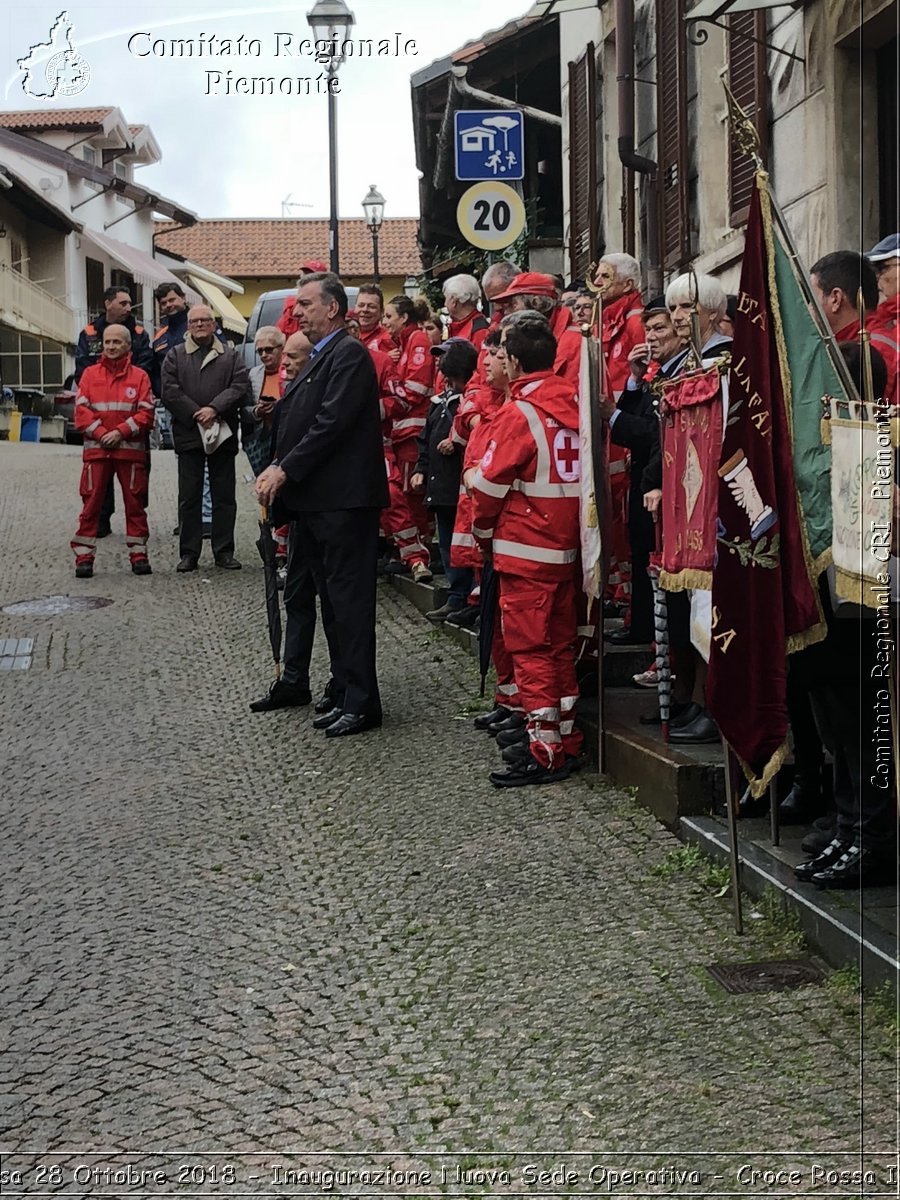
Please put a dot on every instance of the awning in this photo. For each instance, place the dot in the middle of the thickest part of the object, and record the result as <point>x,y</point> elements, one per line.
<point>712,10</point>
<point>220,304</point>
<point>143,266</point>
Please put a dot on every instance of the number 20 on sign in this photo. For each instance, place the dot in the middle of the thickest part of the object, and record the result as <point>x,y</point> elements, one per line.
<point>490,215</point>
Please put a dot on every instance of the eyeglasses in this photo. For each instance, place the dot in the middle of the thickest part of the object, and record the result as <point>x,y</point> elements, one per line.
<point>202,321</point>
<point>267,349</point>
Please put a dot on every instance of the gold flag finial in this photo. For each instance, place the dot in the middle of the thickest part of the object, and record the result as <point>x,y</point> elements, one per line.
<point>743,130</point>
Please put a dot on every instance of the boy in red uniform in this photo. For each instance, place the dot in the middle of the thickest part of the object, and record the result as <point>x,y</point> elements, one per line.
<point>114,410</point>
<point>525,504</point>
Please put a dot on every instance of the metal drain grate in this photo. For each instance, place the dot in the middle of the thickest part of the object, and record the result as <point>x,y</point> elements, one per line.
<point>55,606</point>
<point>15,653</point>
<point>773,975</point>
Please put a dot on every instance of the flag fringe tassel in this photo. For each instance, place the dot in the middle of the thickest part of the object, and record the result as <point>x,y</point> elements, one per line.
<point>759,783</point>
<point>682,581</point>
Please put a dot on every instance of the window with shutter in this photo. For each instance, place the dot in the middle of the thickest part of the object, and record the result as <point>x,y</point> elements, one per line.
<point>582,164</point>
<point>672,133</point>
<point>747,80</point>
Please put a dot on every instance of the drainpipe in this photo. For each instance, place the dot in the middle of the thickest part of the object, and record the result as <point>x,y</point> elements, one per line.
<point>627,154</point>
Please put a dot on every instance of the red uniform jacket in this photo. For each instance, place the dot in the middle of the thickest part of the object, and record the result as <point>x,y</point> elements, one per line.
<point>568,344</point>
<point>391,400</point>
<point>622,330</point>
<point>884,326</point>
<point>485,402</point>
<point>474,328</point>
<point>525,494</point>
<point>416,369</point>
<point>377,338</point>
<point>114,396</point>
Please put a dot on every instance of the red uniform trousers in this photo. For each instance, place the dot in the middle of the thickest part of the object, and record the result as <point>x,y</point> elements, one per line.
<point>407,453</point>
<point>507,693</point>
<point>280,538</point>
<point>397,521</point>
<point>539,631</point>
<point>96,476</point>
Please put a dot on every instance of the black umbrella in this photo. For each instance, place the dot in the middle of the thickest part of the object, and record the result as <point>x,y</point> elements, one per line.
<point>265,544</point>
<point>490,594</point>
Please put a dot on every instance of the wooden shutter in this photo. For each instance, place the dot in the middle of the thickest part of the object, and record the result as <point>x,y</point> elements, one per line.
<point>747,80</point>
<point>672,135</point>
<point>582,164</point>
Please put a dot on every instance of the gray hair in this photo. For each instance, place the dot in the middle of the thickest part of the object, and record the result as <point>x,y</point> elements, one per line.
<point>503,271</point>
<point>463,288</point>
<point>709,293</point>
<point>625,267</point>
<point>272,332</point>
<point>543,305</point>
<point>525,316</point>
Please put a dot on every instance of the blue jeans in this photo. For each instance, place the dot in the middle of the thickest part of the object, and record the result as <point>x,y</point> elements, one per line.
<point>459,578</point>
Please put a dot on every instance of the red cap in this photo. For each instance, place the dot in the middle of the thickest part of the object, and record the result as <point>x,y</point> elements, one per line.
<point>313,264</point>
<point>529,283</point>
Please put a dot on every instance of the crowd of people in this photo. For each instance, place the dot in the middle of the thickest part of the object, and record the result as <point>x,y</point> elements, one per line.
<point>380,432</point>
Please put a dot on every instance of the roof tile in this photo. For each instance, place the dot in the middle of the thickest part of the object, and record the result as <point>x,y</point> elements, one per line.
<point>259,247</point>
<point>55,118</point>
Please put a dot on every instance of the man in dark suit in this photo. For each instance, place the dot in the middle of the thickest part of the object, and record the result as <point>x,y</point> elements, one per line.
<point>328,476</point>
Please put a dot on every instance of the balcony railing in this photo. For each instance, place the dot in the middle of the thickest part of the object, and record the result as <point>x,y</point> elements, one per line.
<point>30,309</point>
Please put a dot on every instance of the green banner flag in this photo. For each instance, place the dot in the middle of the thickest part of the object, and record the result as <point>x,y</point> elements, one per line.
<point>810,376</point>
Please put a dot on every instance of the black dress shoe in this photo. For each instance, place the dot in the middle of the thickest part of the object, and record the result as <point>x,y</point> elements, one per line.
<point>832,852</point>
<point>699,732</point>
<point>282,695</point>
<point>327,718</point>
<point>817,839</point>
<point>227,562</point>
<point>856,867</point>
<point>327,701</point>
<point>686,714</point>
<point>529,771</point>
<point>187,563</point>
<point>141,567</point>
<point>512,721</point>
<point>485,720</point>
<point>349,723</point>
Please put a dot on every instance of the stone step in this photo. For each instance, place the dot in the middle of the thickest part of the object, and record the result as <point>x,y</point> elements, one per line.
<point>671,782</point>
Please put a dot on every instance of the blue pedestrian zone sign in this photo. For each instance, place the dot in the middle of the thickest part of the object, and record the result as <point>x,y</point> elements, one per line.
<point>490,144</point>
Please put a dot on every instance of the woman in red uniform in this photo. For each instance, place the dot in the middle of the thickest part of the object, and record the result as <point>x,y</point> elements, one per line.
<point>416,369</point>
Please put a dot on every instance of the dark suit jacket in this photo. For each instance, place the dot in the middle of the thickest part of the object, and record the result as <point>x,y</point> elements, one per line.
<point>328,440</point>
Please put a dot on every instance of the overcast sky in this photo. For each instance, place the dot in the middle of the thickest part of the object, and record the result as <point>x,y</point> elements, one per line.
<point>240,155</point>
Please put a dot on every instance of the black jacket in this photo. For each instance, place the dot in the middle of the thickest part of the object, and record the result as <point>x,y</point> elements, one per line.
<point>441,471</point>
<point>90,345</point>
<point>328,439</point>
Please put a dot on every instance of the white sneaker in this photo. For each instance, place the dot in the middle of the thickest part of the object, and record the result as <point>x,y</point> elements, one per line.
<point>647,679</point>
<point>421,573</point>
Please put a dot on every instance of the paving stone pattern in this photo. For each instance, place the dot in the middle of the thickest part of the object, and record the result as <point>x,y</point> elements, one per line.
<point>222,933</point>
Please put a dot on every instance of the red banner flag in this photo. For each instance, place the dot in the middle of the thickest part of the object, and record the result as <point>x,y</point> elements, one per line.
<point>692,441</point>
<point>765,602</point>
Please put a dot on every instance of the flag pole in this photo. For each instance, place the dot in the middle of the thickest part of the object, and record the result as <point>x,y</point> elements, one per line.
<point>868,398</point>
<point>744,133</point>
<point>734,855</point>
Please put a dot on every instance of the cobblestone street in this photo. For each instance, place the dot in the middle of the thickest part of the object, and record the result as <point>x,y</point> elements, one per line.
<point>222,933</point>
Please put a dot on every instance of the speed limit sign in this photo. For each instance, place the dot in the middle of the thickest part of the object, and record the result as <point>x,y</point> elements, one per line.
<point>490,215</point>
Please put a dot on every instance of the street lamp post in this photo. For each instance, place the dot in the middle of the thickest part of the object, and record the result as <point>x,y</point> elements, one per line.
<point>373,207</point>
<point>331,22</point>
